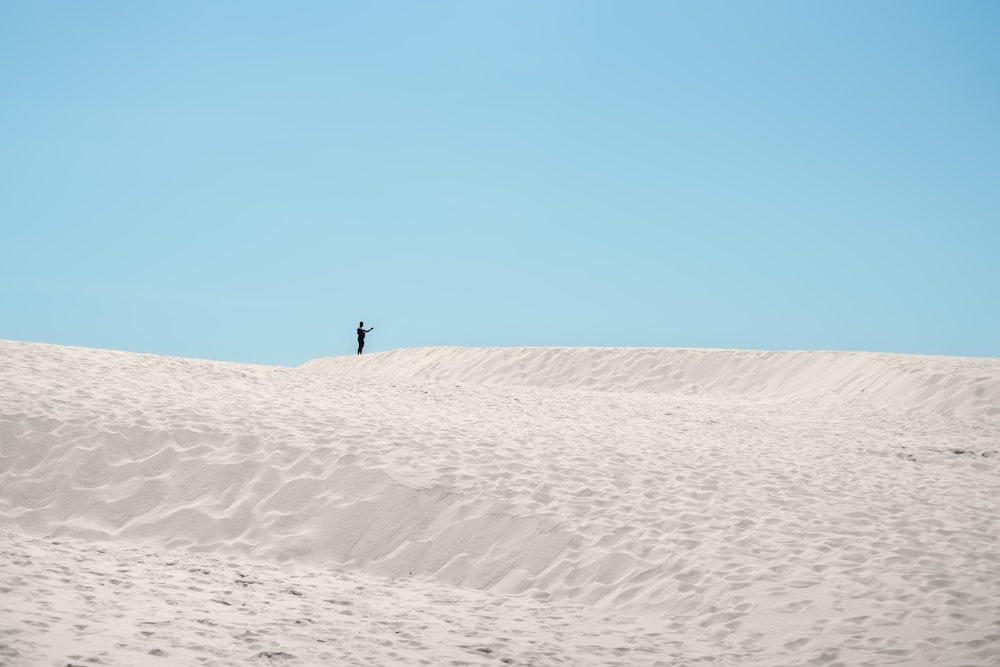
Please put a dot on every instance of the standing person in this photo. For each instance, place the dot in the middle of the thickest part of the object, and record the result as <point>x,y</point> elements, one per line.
<point>361,336</point>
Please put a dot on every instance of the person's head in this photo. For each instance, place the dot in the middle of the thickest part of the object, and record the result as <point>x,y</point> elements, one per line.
<point>361,324</point>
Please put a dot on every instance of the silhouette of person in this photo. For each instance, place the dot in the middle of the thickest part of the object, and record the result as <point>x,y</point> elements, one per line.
<point>361,336</point>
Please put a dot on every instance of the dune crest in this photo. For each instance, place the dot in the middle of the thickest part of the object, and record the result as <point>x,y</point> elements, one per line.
<point>964,386</point>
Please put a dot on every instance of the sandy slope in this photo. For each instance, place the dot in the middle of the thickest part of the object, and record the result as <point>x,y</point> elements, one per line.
<point>953,385</point>
<point>500,506</point>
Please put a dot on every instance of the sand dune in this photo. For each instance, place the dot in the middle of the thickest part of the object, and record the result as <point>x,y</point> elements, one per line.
<point>953,385</point>
<point>500,506</point>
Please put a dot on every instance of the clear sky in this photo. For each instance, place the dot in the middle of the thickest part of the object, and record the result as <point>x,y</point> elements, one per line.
<point>246,181</point>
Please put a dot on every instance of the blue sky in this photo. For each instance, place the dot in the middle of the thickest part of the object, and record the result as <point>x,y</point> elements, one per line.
<point>246,180</point>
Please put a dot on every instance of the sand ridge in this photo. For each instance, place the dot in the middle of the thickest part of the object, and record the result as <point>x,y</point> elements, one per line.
<point>741,507</point>
<point>965,386</point>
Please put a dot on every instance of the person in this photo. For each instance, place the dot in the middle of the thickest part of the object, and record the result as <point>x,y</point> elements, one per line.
<point>361,336</point>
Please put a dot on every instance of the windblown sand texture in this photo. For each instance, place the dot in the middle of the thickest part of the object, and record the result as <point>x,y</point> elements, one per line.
<point>539,506</point>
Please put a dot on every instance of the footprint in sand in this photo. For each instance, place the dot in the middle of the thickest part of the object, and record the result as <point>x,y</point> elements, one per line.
<point>794,607</point>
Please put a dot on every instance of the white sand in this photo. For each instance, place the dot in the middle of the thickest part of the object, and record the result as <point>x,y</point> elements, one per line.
<point>452,506</point>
